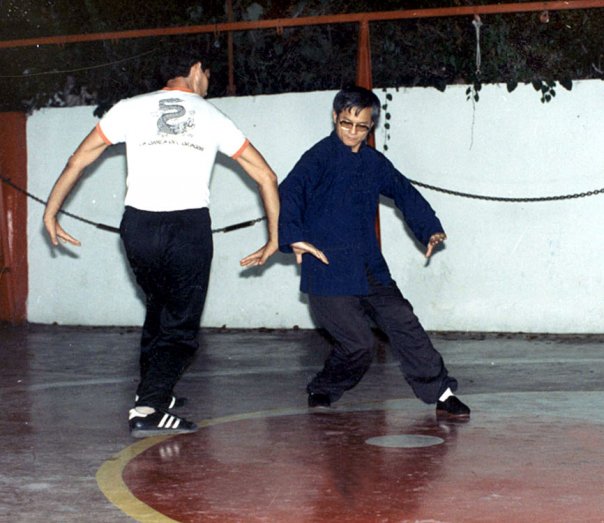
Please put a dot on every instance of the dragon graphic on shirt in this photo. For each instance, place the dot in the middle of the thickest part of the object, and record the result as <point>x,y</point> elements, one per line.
<point>170,121</point>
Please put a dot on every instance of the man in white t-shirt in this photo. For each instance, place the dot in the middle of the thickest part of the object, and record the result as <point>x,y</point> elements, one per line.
<point>172,137</point>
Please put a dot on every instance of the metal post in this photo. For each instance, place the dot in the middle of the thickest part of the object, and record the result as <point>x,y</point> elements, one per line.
<point>231,89</point>
<point>364,78</point>
<point>13,220</point>
<point>5,265</point>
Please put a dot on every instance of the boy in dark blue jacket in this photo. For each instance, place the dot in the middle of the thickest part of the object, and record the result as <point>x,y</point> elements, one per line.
<point>328,207</point>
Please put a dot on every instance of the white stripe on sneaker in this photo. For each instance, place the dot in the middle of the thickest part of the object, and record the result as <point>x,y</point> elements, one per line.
<point>171,423</point>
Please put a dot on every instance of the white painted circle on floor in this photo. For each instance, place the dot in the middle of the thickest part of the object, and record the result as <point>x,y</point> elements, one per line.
<point>405,441</point>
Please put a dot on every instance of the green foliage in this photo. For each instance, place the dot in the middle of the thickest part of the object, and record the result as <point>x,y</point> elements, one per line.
<point>518,48</point>
<point>473,90</point>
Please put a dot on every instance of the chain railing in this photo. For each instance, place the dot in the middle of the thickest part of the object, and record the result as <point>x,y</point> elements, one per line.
<point>521,199</point>
<point>110,228</point>
<point>249,223</point>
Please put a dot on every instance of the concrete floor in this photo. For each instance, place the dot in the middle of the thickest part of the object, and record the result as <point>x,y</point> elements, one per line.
<point>532,451</point>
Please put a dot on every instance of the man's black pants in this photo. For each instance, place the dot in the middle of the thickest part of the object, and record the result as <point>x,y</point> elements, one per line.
<point>170,254</point>
<point>346,318</point>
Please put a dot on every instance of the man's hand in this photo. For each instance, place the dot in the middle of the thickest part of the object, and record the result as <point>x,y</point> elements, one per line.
<point>301,248</point>
<point>57,233</point>
<point>435,240</point>
<point>260,256</point>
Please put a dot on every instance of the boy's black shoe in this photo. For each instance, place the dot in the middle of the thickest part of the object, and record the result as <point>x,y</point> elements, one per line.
<point>453,407</point>
<point>159,423</point>
<point>318,400</point>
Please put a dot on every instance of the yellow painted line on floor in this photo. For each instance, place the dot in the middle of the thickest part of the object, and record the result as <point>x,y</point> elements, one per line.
<point>110,480</point>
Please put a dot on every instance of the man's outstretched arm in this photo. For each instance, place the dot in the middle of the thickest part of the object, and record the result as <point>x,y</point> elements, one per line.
<point>258,169</point>
<point>87,152</point>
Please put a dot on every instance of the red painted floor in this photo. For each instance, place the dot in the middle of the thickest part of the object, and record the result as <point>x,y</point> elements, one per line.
<point>531,463</point>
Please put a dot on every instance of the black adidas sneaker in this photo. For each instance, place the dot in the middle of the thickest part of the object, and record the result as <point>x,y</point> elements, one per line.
<point>159,423</point>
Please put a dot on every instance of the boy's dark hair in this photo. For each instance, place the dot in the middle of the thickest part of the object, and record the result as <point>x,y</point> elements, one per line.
<point>355,98</point>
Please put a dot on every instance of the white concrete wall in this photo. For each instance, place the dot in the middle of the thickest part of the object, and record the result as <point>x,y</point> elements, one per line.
<point>532,267</point>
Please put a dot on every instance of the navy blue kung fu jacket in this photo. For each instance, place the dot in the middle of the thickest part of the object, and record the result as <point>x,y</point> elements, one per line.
<point>330,199</point>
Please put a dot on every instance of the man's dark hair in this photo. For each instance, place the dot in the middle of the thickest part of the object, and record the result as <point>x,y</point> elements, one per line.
<point>354,98</point>
<point>177,66</point>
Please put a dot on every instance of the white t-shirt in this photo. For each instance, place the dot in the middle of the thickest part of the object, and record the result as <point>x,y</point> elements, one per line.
<point>172,137</point>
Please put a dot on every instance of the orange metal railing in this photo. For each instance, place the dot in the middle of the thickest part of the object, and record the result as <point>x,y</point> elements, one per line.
<point>280,23</point>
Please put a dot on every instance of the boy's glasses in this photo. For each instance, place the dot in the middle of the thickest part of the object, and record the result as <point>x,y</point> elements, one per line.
<point>349,126</point>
